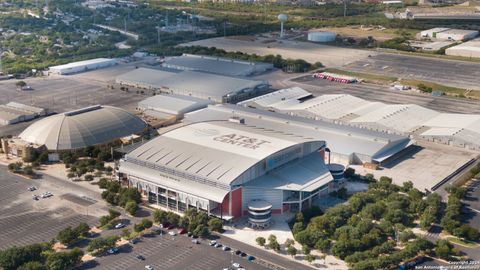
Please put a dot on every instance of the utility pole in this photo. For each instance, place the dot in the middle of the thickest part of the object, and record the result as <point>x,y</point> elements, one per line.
<point>158,35</point>
<point>345,2</point>
<point>264,11</point>
<point>225,27</point>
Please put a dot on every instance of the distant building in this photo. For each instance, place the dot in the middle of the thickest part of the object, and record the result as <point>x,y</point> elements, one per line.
<point>95,125</point>
<point>217,88</point>
<point>467,49</point>
<point>449,34</point>
<point>82,66</point>
<point>169,108</point>
<point>217,65</point>
<point>14,112</point>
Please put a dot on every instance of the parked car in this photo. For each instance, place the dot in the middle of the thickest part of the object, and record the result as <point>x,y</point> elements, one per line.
<point>35,197</point>
<point>250,258</point>
<point>195,241</point>
<point>119,225</point>
<point>238,252</point>
<point>140,257</point>
<point>32,188</point>
<point>182,231</point>
<point>112,250</point>
<point>243,254</point>
<point>226,248</point>
<point>133,241</point>
<point>148,267</point>
<point>172,233</point>
<point>213,243</point>
<point>236,265</point>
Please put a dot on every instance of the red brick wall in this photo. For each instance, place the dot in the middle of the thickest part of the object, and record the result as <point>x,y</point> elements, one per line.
<point>224,205</point>
<point>276,211</point>
<point>237,202</point>
<point>322,153</point>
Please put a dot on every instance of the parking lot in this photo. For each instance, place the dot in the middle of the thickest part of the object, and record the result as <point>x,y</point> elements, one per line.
<point>381,93</point>
<point>25,221</point>
<point>170,252</point>
<point>452,73</point>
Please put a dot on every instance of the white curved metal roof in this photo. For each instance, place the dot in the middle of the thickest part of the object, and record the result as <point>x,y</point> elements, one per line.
<point>85,127</point>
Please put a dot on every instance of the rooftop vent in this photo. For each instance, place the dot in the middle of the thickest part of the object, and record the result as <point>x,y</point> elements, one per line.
<point>83,110</point>
<point>236,119</point>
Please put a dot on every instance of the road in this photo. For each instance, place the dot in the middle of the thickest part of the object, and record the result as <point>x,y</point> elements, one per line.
<point>372,92</point>
<point>448,72</point>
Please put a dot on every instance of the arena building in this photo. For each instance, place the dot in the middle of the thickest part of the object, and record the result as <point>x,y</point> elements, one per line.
<point>417,122</point>
<point>89,126</point>
<point>220,89</point>
<point>346,144</point>
<point>222,166</point>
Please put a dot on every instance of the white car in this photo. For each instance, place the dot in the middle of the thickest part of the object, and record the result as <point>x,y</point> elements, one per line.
<point>213,243</point>
<point>32,188</point>
<point>119,225</point>
<point>172,233</point>
<point>149,267</point>
<point>236,265</point>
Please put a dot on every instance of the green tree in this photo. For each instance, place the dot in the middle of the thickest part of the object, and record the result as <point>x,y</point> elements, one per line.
<point>310,258</point>
<point>289,242</point>
<point>201,231</point>
<point>160,216</point>
<point>82,229</point>
<point>67,236</point>
<point>32,266</point>
<point>21,84</point>
<point>445,250</point>
<point>131,207</point>
<point>63,260</point>
<point>215,224</point>
<point>306,249</point>
<point>292,251</point>
<point>273,243</point>
<point>102,244</point>
<point>260,241</point>
<point>147,223</point>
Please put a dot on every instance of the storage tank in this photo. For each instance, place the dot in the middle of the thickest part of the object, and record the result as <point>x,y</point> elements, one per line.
<point>320,36</point>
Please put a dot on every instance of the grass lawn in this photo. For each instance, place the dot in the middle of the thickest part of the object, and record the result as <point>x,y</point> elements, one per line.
<point>371,78</point>
<point>461,242</point>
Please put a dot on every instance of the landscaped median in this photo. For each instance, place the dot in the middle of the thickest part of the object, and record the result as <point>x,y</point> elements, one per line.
<point>422,86</point>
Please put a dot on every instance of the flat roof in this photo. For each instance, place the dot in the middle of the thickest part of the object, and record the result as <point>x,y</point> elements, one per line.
<point>217,65</point>
<point>82,63</point>
<point>305,174</point>
<point>341,139</point>
<point>173,104</point>
<point>190,83</point>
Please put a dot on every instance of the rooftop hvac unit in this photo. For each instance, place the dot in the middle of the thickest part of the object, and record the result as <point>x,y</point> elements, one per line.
<point>236,119</point>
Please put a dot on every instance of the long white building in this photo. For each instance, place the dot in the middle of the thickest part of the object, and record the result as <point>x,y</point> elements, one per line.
<point>82,66</point>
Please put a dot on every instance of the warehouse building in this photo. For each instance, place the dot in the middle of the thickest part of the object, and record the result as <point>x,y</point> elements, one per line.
<point>403,119</point>
<point>468,49</point>
<point>449,34</point>
<point>170,107</point>
<point>346,144</point>
<point>217,88</point>
<point>77,129</point>
<point>222,166</point>
<point>14,112</point>
<point>82,66</point>
<point>217,65</point>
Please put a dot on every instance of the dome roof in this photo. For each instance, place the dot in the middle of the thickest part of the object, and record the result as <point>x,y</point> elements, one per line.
<point>84,127</point>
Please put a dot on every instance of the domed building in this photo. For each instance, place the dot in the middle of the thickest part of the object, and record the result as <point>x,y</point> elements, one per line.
<point>94,125</point>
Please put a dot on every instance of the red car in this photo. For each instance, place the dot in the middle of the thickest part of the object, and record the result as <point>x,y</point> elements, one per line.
<point>182,231</point>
